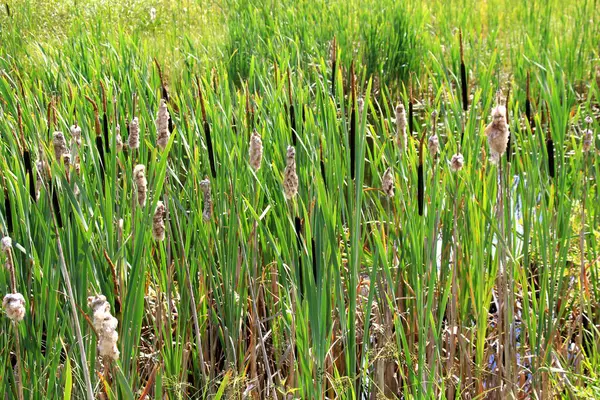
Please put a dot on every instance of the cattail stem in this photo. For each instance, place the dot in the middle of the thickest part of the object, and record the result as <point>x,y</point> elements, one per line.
<point>463,75</point>
<point>420,181</point>
<point>333,66</point>
<point>528,103</point>
<point>508,144</point>
<point>292,111</point>
<point>352,137</point>
<point>104,120</point>
<point>206,127</point>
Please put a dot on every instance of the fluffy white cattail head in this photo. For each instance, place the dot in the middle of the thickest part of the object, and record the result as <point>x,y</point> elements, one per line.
<point>290,178</point>
<point>6,244</point>
<point>158,222</point>
<point>457,162</point>
<point>162,125</point>
<point>14,305</point>
<point>255,152</point>
<point>387,182</point>
<point>134,134</point>
<point>401,135</point>
<point>76,134</point>
<point>588,140</point>
<point>106,327</point>
<point>60,145</point>
<point>139,177</point>
<point>433,144</point>
<point>118,139</point>
<point>208,203</point>
<point>497,133</point>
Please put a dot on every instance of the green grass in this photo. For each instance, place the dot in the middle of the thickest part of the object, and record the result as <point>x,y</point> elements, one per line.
<point>368,297</point>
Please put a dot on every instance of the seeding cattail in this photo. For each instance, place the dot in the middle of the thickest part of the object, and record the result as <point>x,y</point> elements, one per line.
<point>162,125</point>
<point>433,143</point>
<point>588,135</point>
<point>361,105</point>
<point>208,204</point>
<point>139,176</point>
<point>497,133</point>
<point>60,145</point>
<point>158,222</point>
<point>387,182</point>
<point>76,134</point>
<point>290,178</point>
<point>134,134</point>
<point>106,327</point>
<point>14,306</point>
<point>6,244</point>
<point>401,136</point>
<point>457,162</point>
<point>256,150</point>
<point>118,139</point>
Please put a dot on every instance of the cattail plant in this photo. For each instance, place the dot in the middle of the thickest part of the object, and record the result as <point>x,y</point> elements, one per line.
<point>588,136</point>
<point>158,222</point>
<point>75,140</point>
<point>104,116</point>
<point>162,125</point>
<point>528,103</point>
<point>463,75</point>
<point>106,327</point>
<point>139,177</point>
<point>134,134</point>
<point>118,139</point>
<point>550,148</point>
<point>98,140</point>
<point>497,133</point>
<point>457,162</point>
<point>352,133</point>
<point>401,136</point>
<point>333,66</point>
<point>14,306</point>
<point>206,127</point>
<point>208,203</point>
<point>292,111</point>
<point>26,155</point>
<point>387,182</point>
<point>60,145</point>
<point>420,178</point>
<point>255,151</point>
<point>433,144</point>
<point>290,178</point>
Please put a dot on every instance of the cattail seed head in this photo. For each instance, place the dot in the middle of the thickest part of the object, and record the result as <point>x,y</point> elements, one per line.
<point>290,178</point>
<point>106,327</point>
<point>208,203</point>
<point>401,135</point>
<point>256,150</point>
<point>60,145</point>
<point>66,158</point>
<point>139,177</point>
<point>162,125</point>
<point>76,134</point>
<point>387,182</point>
<point>433,144</point>
<point>361,105</point>
<point>457,162</point>
<point>6,244</point>
<point>118,139</point>
<point>497,133</point>
<point>134,134</point>
<point>158,222</point>
<point>588,140</point>
<point>14,306</point>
